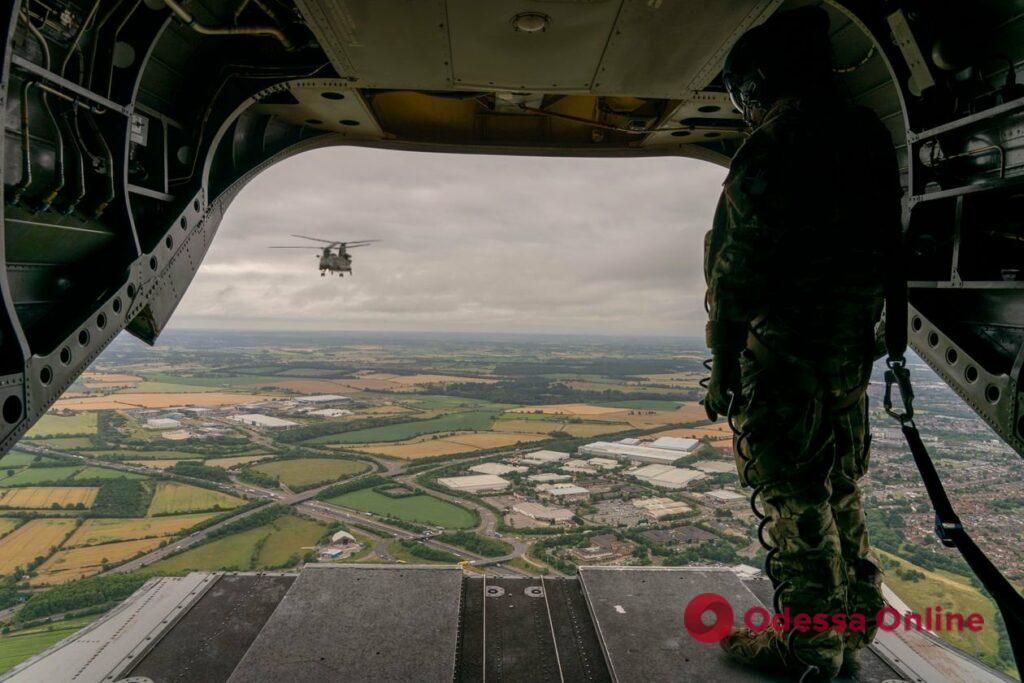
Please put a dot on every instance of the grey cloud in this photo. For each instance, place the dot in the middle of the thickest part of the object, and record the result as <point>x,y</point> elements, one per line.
<point>475,243</point>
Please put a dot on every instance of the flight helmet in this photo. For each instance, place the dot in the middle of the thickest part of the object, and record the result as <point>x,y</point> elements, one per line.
<point>788,55</point>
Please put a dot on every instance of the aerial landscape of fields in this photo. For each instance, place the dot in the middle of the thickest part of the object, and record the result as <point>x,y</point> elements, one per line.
<point>278,452</point>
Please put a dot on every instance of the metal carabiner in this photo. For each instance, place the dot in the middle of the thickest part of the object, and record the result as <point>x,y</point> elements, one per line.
<point>899,374</point>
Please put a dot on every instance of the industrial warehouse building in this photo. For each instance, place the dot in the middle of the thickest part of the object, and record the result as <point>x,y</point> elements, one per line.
<point>543,513</point>
<point>674,443</point>
<point>666,477</point>
<point>622,451</point>
<point>496,468</point>
<point>475,483</point>
<point>725,498</point>
<point>322,398</point>
<point>714,466</point>
<point>263,421</point>
<point>543,457</point>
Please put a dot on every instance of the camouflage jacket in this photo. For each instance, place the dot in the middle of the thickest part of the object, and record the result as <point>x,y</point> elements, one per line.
<point>797,252</point>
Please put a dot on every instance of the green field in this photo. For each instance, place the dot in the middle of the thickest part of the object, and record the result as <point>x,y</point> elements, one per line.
<point>106,473</point>
<point>471,421</point>
<point>53,425</point>
<point>403,554</point>
<point>147,455</point>
<point>172,498</point>
<point>18,646</point>
<point>16,459</point>
<point>264,547</point>
<point>953,593</point>
<point>303,472</point>
<point>38,475</point>
<point>420,508</point>
<point>69,443</point>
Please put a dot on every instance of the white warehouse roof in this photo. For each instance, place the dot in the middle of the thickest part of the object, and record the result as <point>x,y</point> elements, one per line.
<point>604,449</point>
<point>544,456</point>
<point>674,443</point>
<point>496,468</point>
<point>667,477</point>
<point>322,398</point>
<point>475,482</point>
<point>260,420</point>
<point>714,466</point>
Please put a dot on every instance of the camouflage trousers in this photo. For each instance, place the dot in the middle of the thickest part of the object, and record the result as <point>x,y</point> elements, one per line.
<point>805,449</point>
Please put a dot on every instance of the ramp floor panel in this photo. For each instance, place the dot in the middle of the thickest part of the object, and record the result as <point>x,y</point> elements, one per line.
<point>209,641</point>
<point>638,613</point>
<point>351,623</point>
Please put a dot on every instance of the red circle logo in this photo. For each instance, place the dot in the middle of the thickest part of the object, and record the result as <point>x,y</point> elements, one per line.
<point>694,613</point>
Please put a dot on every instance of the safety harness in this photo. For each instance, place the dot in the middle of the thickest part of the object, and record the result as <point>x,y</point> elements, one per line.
<point>948,527</point>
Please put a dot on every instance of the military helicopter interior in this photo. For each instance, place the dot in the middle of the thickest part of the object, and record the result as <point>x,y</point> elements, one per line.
<point>131,125</point>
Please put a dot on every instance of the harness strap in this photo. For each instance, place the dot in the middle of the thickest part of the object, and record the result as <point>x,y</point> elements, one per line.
<point>948,527</point>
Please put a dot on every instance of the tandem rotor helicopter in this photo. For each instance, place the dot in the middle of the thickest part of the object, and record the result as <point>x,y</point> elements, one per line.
<point>339,261</point>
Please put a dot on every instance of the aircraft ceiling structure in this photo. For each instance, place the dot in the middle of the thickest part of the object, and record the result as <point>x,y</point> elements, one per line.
<point>130,125</point>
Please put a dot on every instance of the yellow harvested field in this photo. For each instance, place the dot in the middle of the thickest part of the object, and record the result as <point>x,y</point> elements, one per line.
<point>110,378</point>
<point>98,531</point>
<point>688,412</point>
<point>309,386</point>
<point>6,524</point>
<point>426,447</point>
<point>69,565</point>
<point>231,462</point>
<point>171,497</point>
<point>157,400</point>
<point>411,451</point>
<point>579,409</point>
<point>40,497</point>
<point>31,540</point>
<point>526,426</point>
<point>493,439</point>
<point>715,430</point>
<point>158,464</point>
<point>587,430</point>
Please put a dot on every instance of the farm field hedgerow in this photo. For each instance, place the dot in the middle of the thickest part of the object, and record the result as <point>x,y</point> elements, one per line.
<point>44,497</point>
<point>76,563</point>
<point>263,547</point>
<point>38,475</point>
<point>96,531</point>
<point>171,498</point>
<point>53,425</point>
<point>32,540</point>
<point>306,471</point>
<point>420,508</point>
<point>18,646</point>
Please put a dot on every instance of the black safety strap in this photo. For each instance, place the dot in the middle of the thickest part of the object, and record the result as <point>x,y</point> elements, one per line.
<point>948,527</point>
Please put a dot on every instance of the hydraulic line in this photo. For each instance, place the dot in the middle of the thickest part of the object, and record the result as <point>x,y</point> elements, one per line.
<point>109,163</point>
<point>26,145</point>
<point>26,133</point>
<point>191,22</point>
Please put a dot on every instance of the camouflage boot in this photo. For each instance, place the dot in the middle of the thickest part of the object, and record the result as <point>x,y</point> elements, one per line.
<point>764,651</point>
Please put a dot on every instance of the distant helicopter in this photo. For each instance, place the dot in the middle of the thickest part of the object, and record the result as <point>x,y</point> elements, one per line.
<point>339,261</point>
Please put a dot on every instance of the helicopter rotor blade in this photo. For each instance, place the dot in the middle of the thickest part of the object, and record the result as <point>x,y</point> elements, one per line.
<point>294,247</point>
<point>317,239</point>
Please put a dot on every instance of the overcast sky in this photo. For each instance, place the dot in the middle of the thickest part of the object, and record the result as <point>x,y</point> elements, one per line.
<point>470,243</point>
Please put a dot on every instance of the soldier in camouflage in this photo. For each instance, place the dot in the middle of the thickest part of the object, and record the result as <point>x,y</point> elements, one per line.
<point>795,275</point>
